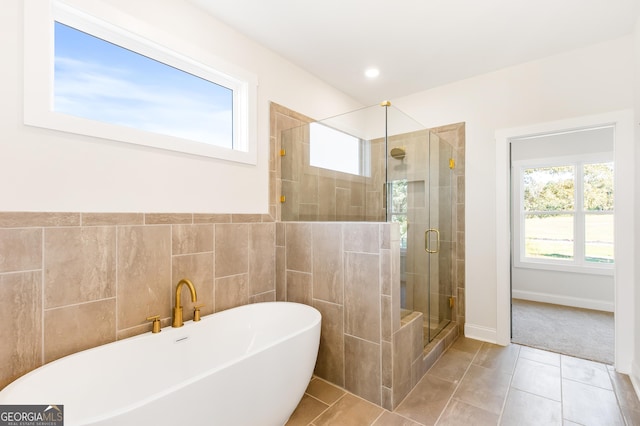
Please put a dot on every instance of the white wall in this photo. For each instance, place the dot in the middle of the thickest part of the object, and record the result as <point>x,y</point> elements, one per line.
<point>635,371</point>
<point>587,81</point>
<point>580,290</point>
<point>43,170</point>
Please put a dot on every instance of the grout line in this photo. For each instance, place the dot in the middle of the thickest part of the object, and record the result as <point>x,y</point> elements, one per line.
<point>381,325</point>
<point>42,296</point>
<point>321,300</point>
<point>318,399</point>
<point>328,408</point>
<point>343,265</point>
<point>171,250</point>
<point>378,418</point>
<point>561,391</point>
<point>459,383</point>
<point>506,397</point>
<point>407,418</point>
<point>535,394</point>
<point>86,302</point>
<point>190,254</point>
<point>22,271</point>
<point>117,264</point>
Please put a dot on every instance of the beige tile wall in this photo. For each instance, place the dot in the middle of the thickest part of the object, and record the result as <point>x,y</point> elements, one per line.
<point>346,270</point>
<point>303,189</point>
<point>281,118</point>
<point>353,278</point>
<point>313,193</point>
<point>72,281</point>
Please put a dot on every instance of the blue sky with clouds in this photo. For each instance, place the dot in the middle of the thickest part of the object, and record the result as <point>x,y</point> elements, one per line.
<point>98,80</point>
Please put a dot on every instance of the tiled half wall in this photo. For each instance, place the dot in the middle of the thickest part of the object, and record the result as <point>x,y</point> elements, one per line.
<point>350,272</point>
<point>73,281</point>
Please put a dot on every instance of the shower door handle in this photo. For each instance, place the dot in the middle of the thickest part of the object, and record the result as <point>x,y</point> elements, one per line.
<point>426,241</point>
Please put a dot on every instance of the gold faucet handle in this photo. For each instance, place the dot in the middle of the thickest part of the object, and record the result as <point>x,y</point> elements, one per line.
<point>155,323</point>
<point>196,312</point>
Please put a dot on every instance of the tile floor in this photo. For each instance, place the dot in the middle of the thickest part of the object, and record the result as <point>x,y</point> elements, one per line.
<point>476,383</point>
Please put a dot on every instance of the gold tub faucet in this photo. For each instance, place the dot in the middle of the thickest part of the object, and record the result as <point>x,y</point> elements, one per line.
<point>177,309</point>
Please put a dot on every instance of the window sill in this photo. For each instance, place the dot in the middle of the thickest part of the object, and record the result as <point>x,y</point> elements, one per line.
<point>559,267</point>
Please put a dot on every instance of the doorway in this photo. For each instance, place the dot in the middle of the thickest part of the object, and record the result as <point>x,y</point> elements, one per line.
<point>562,257</point>
<point>623,216</point>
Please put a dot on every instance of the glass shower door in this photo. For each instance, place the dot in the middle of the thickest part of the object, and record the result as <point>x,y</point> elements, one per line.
<point>438,236</point>
<point>420,200</point>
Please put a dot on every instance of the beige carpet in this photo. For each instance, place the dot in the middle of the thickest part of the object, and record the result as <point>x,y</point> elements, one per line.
<point>582,333</point>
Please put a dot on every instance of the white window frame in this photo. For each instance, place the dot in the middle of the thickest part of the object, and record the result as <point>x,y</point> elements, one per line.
<point>330,149</point>
<point>39,18</point>
<point>578,263</point>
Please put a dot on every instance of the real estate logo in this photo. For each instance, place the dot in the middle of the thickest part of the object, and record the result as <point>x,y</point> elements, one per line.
<point>31,415</point>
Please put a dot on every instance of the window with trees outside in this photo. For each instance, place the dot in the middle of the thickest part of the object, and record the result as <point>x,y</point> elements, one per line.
<point>566,214</point>
<point>398,207</point>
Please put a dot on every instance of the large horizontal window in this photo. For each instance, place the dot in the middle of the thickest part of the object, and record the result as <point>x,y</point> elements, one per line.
<point>565,213</point>
<point>101,81</point>
<point>85,75</point>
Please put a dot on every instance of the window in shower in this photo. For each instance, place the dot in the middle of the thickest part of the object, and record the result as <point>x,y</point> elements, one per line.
<point>337,150</point>
<point>398,202</point>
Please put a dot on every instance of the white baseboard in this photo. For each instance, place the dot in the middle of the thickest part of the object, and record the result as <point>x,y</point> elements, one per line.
<point>575,302</point>
<point>479,332</point>
<point>635,378</point>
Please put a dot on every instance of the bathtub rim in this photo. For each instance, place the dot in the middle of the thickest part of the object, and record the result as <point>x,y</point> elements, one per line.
<point>176,387</point>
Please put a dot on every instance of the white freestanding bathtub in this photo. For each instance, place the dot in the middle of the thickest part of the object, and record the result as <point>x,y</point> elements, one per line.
<point>248,365</point>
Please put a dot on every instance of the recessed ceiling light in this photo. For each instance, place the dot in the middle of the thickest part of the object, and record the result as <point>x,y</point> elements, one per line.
<point>372,72</point>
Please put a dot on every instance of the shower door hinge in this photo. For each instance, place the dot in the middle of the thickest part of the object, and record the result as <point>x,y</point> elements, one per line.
<point>451,302</point>
<point>283,152</point>
<point>452,163</point>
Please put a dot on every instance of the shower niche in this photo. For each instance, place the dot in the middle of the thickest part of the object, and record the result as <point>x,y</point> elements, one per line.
<point>377,164</point>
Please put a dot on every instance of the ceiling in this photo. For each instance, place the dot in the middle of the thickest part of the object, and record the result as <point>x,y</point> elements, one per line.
<point>420,44</point>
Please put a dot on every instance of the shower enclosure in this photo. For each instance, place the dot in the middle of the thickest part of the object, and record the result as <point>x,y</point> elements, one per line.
<point>378,164</point>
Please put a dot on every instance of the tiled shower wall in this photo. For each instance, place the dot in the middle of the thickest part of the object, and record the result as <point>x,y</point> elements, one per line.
<point>72,281</point>
<point>342,269</point>
<point>347,271</point>
<point>339,187</point>
<point>318,194</point>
